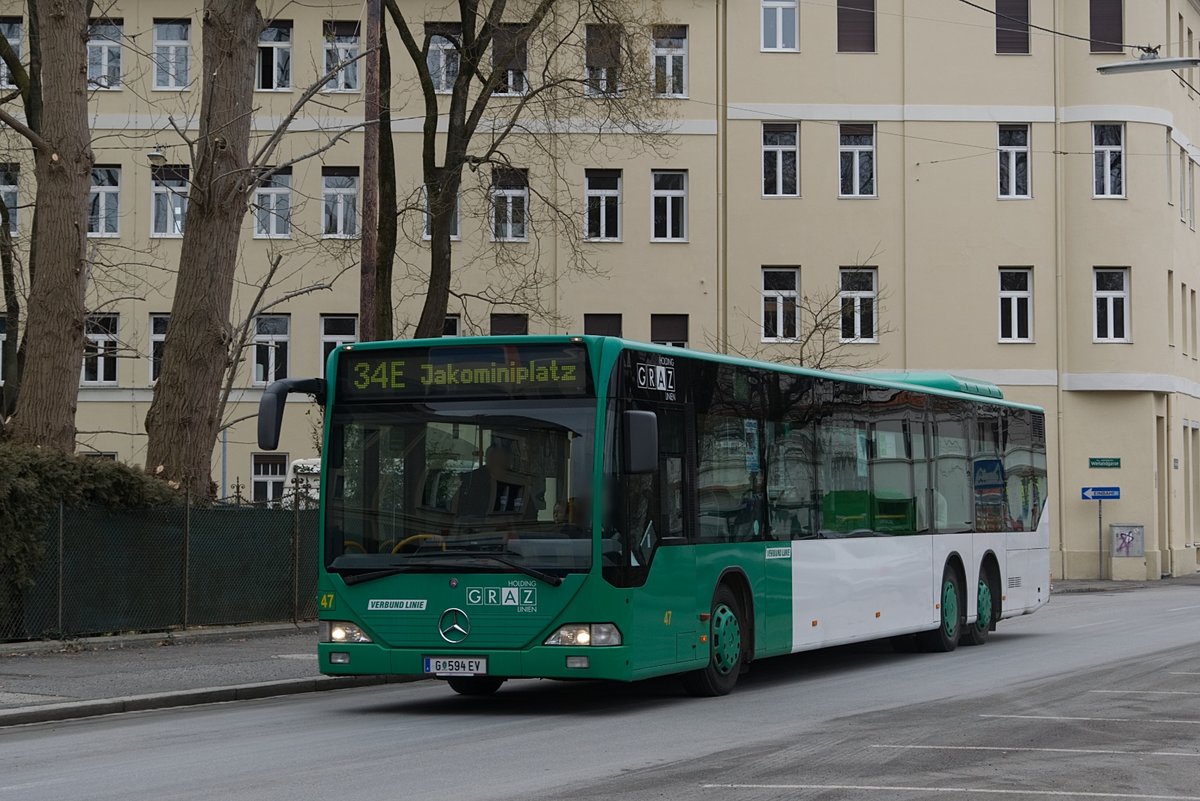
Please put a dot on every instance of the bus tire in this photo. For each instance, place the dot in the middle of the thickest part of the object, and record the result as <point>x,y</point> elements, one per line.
<point>727,648</point>
<point>945,637</point>
<point>474,685</point>
<point>987,606</point>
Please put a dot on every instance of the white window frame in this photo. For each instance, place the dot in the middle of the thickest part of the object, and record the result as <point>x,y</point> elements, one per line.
<point>158,341</point>
<point>103,347</point>
<point>857,299</point>
<point>1191,188</point>
<point>673,201</point>
<point>508,197</point>
<point>455,231</point>
<point>604,198</point>
<point>168,53</point>
<point>334,339</point>
<point>1010,306</point>
<point>344,200</point>
<point>782,298</point>
<point>1010,156</point>
<point>777,153</point>
<point>280,53</point>
<point>672,59</point>
<point>1109,297</point>
<point>856,153</point>
<point>778,9</point>
<point>339,49</point>
<point>105,198</point>
<point>273,208</point>
<point>107,56</point>
<point>1183,196</point>
<point>263,467</point>
<point>267,344</point>
<point>10,194</point>
<point>516,79</point>
<point>16,26</point>
<point>3,339</point>
<point>174,199</point>
<point>1107,152</point>
<point>456,319</point>
<point>599,79</point>
<point>443,52</point>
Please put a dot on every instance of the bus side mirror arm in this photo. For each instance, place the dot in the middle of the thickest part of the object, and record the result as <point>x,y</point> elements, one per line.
<point>640,444</point>
<point>270,407</point>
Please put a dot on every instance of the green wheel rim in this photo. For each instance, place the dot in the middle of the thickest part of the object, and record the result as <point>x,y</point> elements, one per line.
<point>949,608</point>
<point>984,619</point>
<point>726,640</point>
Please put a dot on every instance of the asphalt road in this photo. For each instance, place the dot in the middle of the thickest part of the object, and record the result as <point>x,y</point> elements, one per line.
<point>1096,696</point>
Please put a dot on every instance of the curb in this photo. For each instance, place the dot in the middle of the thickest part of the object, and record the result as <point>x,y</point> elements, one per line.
<point>210,695</point>
<point>154,638</point>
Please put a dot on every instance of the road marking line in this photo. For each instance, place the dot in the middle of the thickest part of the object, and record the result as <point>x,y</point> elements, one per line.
<point>1177,673</point>
<point>1192,755</point>
<point>1099,720</point>
<point>1146,692</point>
<point>883,788</point>
<point>1184,608</point>
<point>1090,625</point>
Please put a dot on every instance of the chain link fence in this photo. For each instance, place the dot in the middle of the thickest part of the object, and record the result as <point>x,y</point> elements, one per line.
<point>171,567</point>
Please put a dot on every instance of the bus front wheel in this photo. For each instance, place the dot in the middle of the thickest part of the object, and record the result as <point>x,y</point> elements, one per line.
<point>474,685</point>
<point>726,648</point>
<point>945,637</point>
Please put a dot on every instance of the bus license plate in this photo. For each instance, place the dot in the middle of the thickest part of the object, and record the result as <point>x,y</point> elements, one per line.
<point>455,666</point>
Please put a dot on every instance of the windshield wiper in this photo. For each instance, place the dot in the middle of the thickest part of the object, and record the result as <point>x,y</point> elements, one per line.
<point>532,572</point>
<point>359,578</point>
<point>371,575</point>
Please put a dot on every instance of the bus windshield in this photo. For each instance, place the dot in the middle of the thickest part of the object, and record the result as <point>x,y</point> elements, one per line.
<point>443,485</point>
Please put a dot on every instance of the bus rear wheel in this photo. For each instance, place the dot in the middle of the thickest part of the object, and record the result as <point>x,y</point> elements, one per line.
<point>987,606</point>
<point>474,685</point>
<point>945,637</point>
<point>726,648</point>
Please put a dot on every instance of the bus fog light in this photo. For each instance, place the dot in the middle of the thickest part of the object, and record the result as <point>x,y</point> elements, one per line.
<point>577,661</point>
<point>585,634</point>
<point>340,631</point>
<point>339,658</point>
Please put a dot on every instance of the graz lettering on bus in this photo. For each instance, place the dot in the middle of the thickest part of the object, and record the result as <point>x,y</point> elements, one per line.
<point>394,374</point>
<point>658,377</point>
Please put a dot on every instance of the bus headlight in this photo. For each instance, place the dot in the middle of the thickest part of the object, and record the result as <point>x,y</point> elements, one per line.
<point>585,634</point>
<point>340,631</point>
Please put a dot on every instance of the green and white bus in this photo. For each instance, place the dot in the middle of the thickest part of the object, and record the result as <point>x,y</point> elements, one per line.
<point>594,508</point>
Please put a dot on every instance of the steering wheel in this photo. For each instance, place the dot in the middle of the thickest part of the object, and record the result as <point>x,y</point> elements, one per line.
<point>418,538</point>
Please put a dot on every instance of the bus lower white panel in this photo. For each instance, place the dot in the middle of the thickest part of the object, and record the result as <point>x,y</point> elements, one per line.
<point>858,589</point>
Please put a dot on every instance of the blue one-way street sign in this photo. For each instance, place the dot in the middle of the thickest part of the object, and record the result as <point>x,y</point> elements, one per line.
<point>1100,493</point>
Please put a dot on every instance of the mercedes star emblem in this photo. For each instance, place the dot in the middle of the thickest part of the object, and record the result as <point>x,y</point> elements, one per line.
<point>454,625</point>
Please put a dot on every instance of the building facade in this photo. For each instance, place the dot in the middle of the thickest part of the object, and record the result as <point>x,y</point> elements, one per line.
<point>951,187</point>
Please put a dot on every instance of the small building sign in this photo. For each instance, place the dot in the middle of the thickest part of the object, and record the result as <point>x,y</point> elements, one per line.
<point>1104,461</point>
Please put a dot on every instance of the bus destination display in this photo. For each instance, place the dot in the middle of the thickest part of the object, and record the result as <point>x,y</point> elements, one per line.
<point>529,371</point>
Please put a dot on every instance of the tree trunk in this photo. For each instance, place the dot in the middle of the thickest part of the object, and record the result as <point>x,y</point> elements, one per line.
<point>183,419</point>
<point>12,319</point>
<point>387,224</point>
<point>45,410</point>
<point>442,199</point>
<point>370,183</point>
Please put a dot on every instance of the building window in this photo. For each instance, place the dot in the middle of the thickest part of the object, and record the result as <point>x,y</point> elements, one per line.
<point>172,50</point>
<point>1183,194</point>
<point>451,326</point>
<point>271,347</point>
<point>602,325</point>
<point>158,341</point>
<point>669,201</point>
<point>275,57</point>
<point>781,159</point>
<point>273,206</point>
<point>1108,151</point>
<point>100,350</point>
<point>1191,189</point>
<point>669,329</point>
<point>1016,305</point>
<point>428,231</point>
<point>780,24</point>
<point>270,473</point>
<point>9,174</point>
<point>339,196</point>
<point>858,298</point>
<point>10,29</point>
<point>510,58</point>
<point>1112,304</point>
<point>341,47</point>
<point>169,202</point>
<point>780,297</point>
<point>508,324</point>
<point>510,204</point>
<point>856,150</point>
<point>104,53</point>
<point>670,60</point>
<point>336,330</point>
<point>603,59</point>
<point>1107,28</point>
<point>603,195</point>
<point>442,55</point>
<point>1012,26</point>
<point>3,339</point>
<point>105,204</point>
<point>1014,160</point>
<point>856,26</point>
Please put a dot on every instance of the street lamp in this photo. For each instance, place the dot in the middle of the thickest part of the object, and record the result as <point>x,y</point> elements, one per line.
<point>156,157</point>
<point>1149,61</point>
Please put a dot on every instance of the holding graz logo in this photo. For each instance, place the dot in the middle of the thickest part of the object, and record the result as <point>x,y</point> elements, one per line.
<point>657,376</point>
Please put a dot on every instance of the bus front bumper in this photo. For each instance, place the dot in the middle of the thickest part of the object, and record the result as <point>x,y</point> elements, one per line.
<point>543,661</point>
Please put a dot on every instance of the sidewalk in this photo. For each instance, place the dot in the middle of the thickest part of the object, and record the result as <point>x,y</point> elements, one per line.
<point>48,681</point>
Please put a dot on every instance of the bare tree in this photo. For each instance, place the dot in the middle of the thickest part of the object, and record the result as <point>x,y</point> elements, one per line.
<point>485,107</point>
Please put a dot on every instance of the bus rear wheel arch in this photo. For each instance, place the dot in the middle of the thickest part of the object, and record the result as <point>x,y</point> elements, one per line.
<point>728,639</point>
<point>988,600</point>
